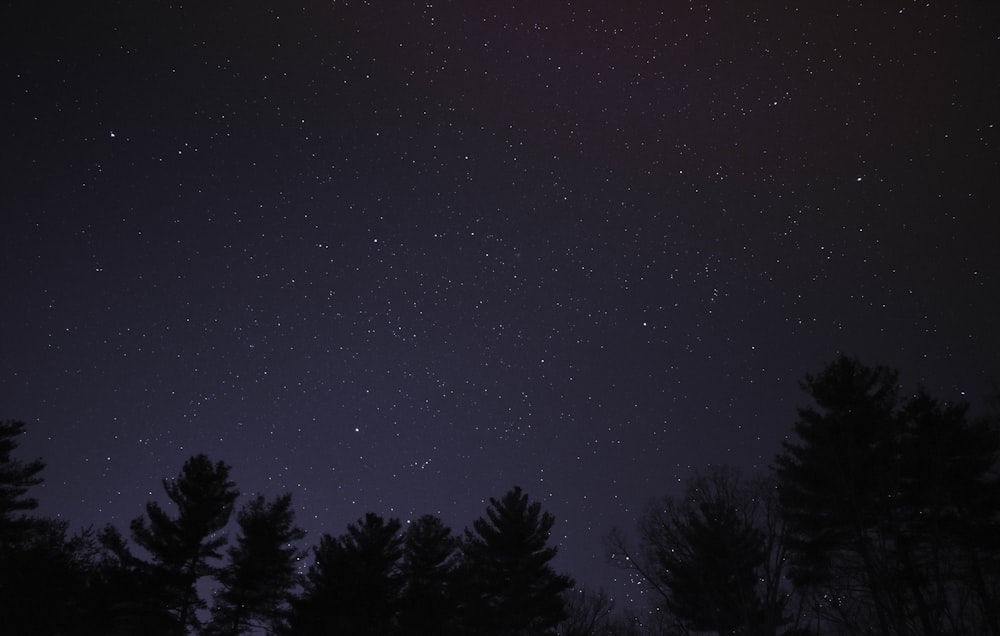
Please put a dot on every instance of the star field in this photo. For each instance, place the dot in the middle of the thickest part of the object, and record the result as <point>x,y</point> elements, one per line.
<point>399,257</point>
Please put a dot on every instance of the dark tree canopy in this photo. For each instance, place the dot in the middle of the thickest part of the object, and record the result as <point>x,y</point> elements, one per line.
<point>892,506</point>
<point>834,480</point>
<point>353,587</point>
<point>16,478</point>
<point>712,565</point>
<point>48,583</point>
<point>715,555</point>
<point>184,547</point>
<point>258,581</point>
<point>427,571</point>
<point>30,549</point>
<point>510,587</point>
<point>882,516</point>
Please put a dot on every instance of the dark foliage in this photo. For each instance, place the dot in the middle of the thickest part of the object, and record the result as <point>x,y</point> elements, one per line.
<point>509,587</point>
<point>259,579</point>
<point>374,579</point>
<point>43,570</point>
<point>892,507</point>
<point>16,478</point>
<point>184,547</point>
<point>883,516</point>
<point>42,567</point>
<point>427,570</point>
<point>354,585</point>
<point>714,556</point>
<point>32,551</point>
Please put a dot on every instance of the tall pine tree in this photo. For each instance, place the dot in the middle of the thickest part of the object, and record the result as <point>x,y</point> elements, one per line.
<point>35,558</point>
<point>16,478</point>
<point>891,506</point>
<point>509,587</point>
<point>258,581</point>
<point>184,547</point>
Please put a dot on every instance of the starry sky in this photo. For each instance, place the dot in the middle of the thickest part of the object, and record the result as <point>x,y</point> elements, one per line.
<point>401,256</point>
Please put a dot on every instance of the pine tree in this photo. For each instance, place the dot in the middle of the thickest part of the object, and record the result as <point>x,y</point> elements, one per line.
<point>353,587</point>
<point>258,581</point>
<point>16,478</point>
<point>47,577</point>
<point>714,564</point>
<point>26,544</point>
<point>510,588</point>
<point>836,482</point>
<point>891,506</point>
<point>427,574</point>
<point>184,547</point>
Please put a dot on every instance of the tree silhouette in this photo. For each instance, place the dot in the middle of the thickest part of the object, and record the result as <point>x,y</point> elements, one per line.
<point>46,580</point>
<point>125,588</point>
<point>835,486</point>
<point>258,580</point>
<point>715,555</point>
<point>42,573</point>
<point>183,547</point>
<point>510,588</point>
<point>427,571</point>
<point>891,506</point>
<point>29,548</point>
<point>16,478</point>
<point>944,516</point>
<point>353,587</point>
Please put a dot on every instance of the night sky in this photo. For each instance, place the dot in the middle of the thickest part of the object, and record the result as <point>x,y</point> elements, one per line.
<point>399,257</point>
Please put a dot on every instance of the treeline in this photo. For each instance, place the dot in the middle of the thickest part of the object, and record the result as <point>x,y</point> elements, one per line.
<point>375,579</point>
<point>881,515</point>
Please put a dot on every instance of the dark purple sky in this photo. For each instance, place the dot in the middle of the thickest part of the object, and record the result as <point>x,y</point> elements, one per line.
<point>401,257</point>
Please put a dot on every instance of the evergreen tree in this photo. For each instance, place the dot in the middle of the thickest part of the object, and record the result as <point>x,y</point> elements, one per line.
<point>30,549</point>
<point>510,588</point>
<point>945,516</point>
<point>710,555</point>
<point>427,574</point>
<point>128,589</point>
<point>48,580</point>
<point>183,547</point>
<point>258,581</point>
<point>891,506</point>
<point>16,478</point>
<point>353,587</point>
<point>836,483</point>
<point>42,582</point>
